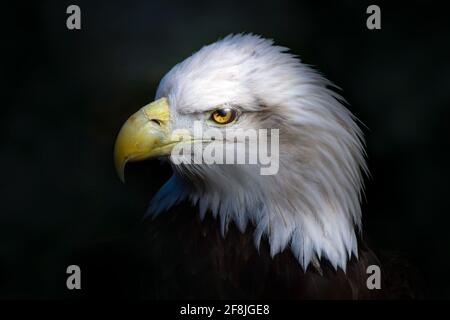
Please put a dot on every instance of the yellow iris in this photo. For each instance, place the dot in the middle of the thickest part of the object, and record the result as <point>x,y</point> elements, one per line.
<point>224,115</point>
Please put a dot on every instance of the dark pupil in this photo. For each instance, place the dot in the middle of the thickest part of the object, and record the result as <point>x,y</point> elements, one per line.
<point>223,112</point>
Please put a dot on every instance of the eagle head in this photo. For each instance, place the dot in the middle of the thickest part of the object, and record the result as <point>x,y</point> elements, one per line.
<point>307,199</point>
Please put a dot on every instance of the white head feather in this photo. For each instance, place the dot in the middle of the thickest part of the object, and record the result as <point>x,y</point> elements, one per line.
<point>312,205</point>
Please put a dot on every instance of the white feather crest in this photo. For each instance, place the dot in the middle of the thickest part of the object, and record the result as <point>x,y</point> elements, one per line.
<point>312,205</point>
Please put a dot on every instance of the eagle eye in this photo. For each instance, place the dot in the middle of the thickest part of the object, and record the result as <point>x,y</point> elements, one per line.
<point>224,115</point>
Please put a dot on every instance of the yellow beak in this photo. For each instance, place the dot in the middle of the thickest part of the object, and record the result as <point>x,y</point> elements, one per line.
<point>144,135</point>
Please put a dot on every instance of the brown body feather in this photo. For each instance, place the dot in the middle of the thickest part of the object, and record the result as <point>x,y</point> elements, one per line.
<point>189,258</point>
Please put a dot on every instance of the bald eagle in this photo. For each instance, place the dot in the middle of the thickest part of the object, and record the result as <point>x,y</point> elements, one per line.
<point>234,232</point>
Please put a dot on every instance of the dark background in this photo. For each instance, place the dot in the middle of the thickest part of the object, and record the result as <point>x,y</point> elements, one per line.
<point>66,94</point>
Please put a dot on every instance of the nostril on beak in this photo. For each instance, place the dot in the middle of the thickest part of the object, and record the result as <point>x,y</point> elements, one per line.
<point>156,121</point>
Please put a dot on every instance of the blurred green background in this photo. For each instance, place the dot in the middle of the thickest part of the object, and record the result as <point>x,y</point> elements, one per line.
<point>66,94</point>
